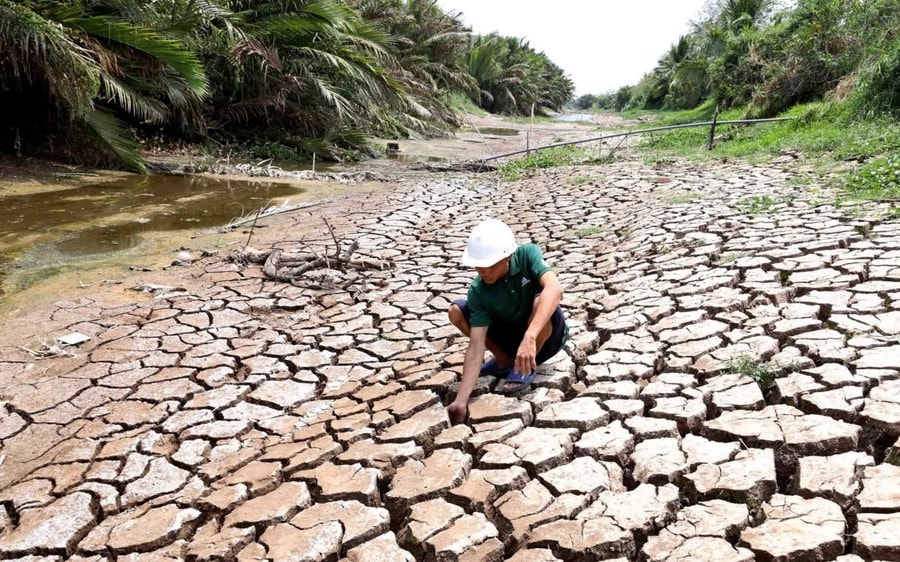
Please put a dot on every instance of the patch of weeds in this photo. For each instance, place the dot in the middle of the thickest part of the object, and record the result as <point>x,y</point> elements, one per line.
<point>587,231</point>
<point>681,198</point>
<point>856,212</point>
<point>876,180</point>
<point>757,370</point>
<point>893,457</point>
<point>800,180</point>
<point>624,234</point>
<point>864,230</point>
<point>755,204</point>
<point>893,213</point>
<point>726,259</point>
<point>660,248</point>
<point>578,180</point>
<point>785,278</point>
<point>694,242</point>
<point>549,158</point>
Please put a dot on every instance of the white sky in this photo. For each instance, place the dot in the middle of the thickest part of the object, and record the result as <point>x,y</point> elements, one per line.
<point>601,45</point>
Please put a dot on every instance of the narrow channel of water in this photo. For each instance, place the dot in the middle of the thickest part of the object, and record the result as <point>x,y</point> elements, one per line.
<point>588,117</point>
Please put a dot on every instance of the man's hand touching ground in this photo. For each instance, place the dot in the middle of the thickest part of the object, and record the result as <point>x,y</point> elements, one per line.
<point>458,412</point>
<point>526,358</point>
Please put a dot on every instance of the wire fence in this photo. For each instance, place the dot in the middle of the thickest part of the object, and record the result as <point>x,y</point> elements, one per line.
<point>624,135</point>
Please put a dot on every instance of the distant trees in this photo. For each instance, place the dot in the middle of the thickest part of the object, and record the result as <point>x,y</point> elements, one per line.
<point>78,79</point>
<point>512,77</point>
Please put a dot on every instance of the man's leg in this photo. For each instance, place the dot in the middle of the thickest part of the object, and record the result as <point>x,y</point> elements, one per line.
<point>549,336</point>
<point>459,319</point>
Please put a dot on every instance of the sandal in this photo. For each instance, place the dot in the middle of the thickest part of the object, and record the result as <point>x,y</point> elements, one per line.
<point>515,383</point>
<point>492,369</point>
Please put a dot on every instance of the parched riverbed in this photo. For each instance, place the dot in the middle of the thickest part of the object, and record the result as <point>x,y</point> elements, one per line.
<point>221,415</point>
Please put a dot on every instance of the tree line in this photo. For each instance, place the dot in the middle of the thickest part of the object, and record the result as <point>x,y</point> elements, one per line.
<point>768,56</point>
<point>87,80</point>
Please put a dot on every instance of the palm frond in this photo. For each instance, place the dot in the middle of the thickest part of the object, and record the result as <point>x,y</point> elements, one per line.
<point>111,133</point>
<point>132,101</point>
<point>169,51</point>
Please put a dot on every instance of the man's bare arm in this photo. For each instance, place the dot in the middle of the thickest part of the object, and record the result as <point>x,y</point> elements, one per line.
<point>551,295</point>
<point>471,369</point>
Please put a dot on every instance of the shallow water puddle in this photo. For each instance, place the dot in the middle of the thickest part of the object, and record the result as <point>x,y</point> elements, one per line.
<point>110,216</point>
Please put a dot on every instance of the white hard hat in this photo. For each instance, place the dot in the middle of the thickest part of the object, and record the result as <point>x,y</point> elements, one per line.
<point>489,242</point>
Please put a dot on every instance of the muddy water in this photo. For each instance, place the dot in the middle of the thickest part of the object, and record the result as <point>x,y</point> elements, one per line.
<point>42,229</point>
<point>103,217</point>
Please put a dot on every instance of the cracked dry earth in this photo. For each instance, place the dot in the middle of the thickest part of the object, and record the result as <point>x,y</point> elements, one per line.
<point>238,418</point>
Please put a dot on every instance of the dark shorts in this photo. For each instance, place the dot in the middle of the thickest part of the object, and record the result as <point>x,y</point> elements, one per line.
<point>509,336</point>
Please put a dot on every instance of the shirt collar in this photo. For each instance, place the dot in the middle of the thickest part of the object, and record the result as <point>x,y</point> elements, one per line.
<point>514,265</point>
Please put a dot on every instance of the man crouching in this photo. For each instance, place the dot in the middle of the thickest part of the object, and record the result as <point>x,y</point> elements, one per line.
<point>512,309</point>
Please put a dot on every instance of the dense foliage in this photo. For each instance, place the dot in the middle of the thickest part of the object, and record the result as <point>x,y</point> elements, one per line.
<point>513,78</point>
<point>768,56</point>
<point>82,79</point>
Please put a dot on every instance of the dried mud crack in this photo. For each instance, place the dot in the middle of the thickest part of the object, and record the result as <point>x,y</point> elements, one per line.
<point>242,417</point>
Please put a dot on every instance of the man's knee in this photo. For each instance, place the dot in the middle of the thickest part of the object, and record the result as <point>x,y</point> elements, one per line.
<point>457,318</point>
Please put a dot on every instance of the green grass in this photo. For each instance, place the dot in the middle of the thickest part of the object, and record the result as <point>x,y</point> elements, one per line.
<point>753,368</point>
<point>464,104</point>
<point>726,259</point>
<point>681,198</point>
<point>876,180</point>
<point>578,180</point>
<point>755,204</point>
<point>821,129</point>
<point>549,158</point>
<point>587,231</point>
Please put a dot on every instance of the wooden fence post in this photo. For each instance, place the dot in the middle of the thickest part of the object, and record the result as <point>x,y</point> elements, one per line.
<point>528,133</point>
<point>712,128</point>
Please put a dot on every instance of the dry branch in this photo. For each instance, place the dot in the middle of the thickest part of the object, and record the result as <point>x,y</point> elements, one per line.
<point>292,266</point>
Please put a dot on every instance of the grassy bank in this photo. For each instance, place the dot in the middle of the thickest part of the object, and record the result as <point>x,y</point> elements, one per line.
<point>862,157</point>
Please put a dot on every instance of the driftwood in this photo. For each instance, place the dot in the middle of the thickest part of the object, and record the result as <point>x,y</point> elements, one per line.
<point>290,267</point>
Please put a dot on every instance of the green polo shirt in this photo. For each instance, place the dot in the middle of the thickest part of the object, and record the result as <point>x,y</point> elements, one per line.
<point>511,299</point>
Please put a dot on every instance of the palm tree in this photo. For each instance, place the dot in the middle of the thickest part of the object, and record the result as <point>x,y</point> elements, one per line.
<point>429,48</point>
<point>305,70</point>
<point>81,65</point>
